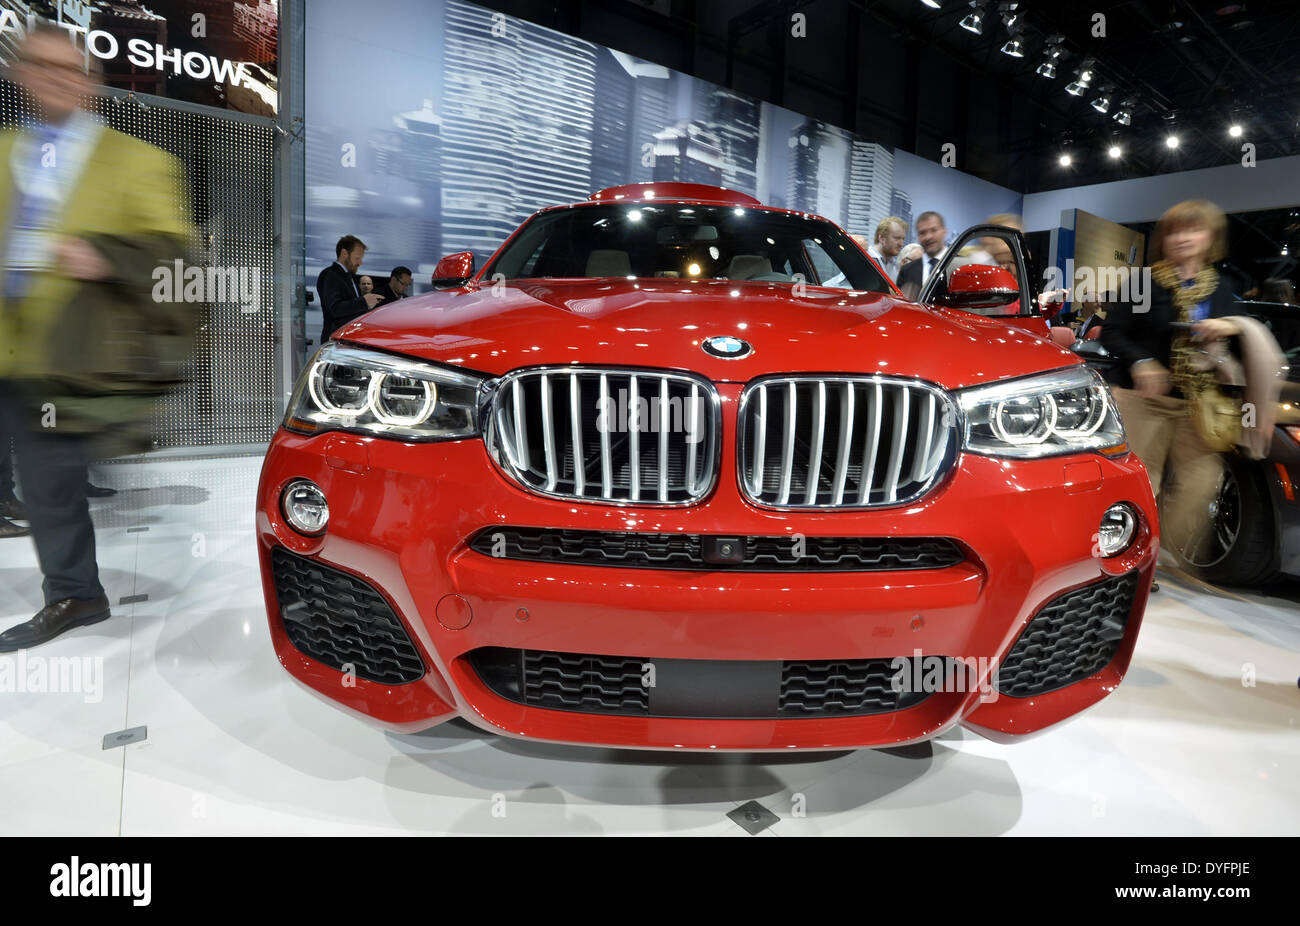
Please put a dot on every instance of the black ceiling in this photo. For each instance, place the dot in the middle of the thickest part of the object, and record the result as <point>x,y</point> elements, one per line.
<point>905,74</point>
<point>1190,67</point>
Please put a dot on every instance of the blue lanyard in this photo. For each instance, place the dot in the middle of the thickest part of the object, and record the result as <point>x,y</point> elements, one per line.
<point>1201,310</point>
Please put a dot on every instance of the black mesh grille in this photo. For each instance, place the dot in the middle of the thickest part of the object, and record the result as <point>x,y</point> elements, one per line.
<point>569,681</point>
<point>862,686</point>
<point>684,551</point>
<point>1076,635</point>
<point>615,685</point>
<point>340,621</point>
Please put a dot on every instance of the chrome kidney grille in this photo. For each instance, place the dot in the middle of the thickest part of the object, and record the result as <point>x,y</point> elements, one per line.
<point>607,435</point>
<point>828,442</point>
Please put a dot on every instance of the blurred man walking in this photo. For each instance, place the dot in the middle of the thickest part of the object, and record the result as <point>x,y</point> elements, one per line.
<point>86,214</point>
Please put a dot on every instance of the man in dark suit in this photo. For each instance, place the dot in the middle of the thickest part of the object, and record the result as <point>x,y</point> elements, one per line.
<point>932,233</point>
<point>397,285</point>
<point>340,297</point>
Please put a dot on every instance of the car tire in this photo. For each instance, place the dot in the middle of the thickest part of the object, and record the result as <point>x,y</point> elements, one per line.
<point>1244,526</point>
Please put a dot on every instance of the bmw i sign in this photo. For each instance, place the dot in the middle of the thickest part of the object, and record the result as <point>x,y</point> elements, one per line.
<point>726,346</point>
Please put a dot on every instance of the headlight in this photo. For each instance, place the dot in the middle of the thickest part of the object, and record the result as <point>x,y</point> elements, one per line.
<point>1067,411</point>
<point>352,389</point>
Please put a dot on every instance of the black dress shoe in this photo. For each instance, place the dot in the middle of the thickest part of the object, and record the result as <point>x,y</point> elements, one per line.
<point>10,529</point>
<point>93,491</point>
<point>12,508</point>
<point>52,620</point>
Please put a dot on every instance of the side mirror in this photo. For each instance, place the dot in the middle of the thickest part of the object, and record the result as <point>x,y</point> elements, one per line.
<point>454,269</point>
<point>979,286</point>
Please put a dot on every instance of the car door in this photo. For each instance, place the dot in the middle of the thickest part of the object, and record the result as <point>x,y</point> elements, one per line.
<point>988,293</point>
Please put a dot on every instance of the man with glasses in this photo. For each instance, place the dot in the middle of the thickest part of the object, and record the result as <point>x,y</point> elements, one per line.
<point>398,285</point>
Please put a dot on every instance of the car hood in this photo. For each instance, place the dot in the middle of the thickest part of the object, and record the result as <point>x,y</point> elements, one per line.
<point>662,323</point>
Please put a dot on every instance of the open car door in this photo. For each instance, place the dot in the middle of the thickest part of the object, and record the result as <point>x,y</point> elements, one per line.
<point>987,270</point>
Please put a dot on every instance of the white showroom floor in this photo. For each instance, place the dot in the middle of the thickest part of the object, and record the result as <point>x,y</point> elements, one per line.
<point>235,746</point>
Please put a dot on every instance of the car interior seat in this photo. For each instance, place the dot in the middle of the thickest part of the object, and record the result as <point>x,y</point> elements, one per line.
<point>1062,336</point>
<point>747,266</point>
<point>608,262</point>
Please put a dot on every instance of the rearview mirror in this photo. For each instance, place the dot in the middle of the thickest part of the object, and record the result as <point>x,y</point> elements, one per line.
<point>979,286</point>
<point>454,269</point>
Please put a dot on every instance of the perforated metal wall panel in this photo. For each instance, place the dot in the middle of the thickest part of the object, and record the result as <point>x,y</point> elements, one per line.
<point>232,397</point>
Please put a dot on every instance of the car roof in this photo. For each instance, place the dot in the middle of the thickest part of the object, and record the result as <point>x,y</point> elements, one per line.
<point>674,191</point>
<point>671,191</point>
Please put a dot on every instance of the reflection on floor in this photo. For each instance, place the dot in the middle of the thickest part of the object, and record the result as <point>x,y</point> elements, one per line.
<point>234,746</point>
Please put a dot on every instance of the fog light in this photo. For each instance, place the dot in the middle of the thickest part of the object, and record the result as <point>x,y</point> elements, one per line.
<point>305,507</point>
<point>1118,525</point>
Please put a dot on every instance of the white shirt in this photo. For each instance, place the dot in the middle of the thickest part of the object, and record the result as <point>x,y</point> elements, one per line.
<point>928,264</point>
<point>889,265</point>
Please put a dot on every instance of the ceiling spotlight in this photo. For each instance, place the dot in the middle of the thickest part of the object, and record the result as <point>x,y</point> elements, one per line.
<point>932,4</point>
<point>1124,116</point>
<point>1052,52</point>
<point>1285,250</point>
<point>1065,160</point>
<point>1010,16</point>
<point>1171,141</point>
<point>1115,152</point>
<point>1102,103</point>
<point>974,20</point>
<point>1015,48</point>
<point>1082,77</point>
<point>1234,130</point>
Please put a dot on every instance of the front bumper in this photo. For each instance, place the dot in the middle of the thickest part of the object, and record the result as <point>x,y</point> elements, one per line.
<point>402,517</point>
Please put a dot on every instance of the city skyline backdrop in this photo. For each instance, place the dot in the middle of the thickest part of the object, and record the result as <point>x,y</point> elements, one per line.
<point>449,133</point>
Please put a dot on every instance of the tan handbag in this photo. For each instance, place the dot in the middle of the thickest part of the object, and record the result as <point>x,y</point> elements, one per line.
<point>1217,417</point>
<point>1211,381</point>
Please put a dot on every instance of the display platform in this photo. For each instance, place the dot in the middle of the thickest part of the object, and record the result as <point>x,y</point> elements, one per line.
<point>233,746</point>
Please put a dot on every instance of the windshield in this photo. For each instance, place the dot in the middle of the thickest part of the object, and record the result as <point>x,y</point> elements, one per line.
<point>686,241</point>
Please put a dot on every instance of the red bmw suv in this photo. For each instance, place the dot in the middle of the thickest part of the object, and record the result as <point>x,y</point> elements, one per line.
<point>674,470</point>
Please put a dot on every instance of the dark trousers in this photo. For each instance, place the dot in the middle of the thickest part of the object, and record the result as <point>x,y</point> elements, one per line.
<point>52,468</point>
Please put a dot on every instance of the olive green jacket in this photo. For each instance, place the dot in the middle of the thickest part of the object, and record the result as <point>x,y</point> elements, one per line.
<point>95,356</point>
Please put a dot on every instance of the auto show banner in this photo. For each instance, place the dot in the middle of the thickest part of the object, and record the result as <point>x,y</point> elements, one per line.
<point>219,53</point>
<point>443,135</point>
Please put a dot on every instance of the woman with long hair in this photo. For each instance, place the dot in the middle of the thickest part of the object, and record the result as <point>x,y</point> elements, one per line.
<point>1155,341</point>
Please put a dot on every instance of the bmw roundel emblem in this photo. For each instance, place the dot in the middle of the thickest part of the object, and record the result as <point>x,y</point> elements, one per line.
<point>726,346</point>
